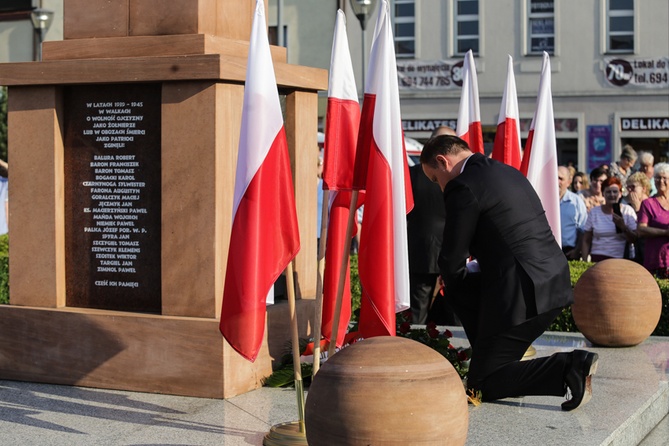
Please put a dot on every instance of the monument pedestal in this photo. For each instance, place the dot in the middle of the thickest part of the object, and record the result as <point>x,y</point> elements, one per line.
<point>154,140</point>
<point>130,351</point>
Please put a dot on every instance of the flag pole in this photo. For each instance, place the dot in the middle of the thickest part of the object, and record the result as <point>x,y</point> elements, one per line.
<point>318,310</point>
<point>292,432</point>
<point>342,274</point>
<point>299,388</point>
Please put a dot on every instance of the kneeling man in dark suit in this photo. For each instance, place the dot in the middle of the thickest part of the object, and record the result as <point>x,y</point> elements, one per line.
<point>520,284</point>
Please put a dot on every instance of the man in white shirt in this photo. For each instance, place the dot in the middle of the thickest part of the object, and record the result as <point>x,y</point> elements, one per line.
<point>573,215</point>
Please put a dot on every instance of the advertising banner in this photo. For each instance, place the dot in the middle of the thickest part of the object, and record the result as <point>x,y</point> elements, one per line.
<point>429,74</point>
<point>598,138</point>
<point>642,73</point>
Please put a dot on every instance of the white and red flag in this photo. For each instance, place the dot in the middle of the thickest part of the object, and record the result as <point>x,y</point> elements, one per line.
<point>540,157</point>
<point>265,235</point>
<point>381,170</point>
<point>341,135</point>
<point>469,115</point>
<point>507,139</point>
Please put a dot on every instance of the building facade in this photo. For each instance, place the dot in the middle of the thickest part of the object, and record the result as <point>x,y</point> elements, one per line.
<point>19,39</point>
<point>609,60</point>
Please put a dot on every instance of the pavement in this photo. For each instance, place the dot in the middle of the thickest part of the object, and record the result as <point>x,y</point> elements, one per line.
<point>629,407</point>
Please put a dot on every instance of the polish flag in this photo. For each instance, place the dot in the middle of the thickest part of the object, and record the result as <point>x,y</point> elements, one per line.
<point>540,156</point>
<point>507,139</point>
<point>469,115</point>
<point>528,150</point>
<point>341,134</point>
<point>265,235</point>
<point>381,170</point>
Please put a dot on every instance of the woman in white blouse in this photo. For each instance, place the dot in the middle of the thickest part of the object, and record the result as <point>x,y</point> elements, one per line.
<point>606,231</point>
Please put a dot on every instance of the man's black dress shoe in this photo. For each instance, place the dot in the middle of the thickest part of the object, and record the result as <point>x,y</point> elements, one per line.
<point>578,376</point>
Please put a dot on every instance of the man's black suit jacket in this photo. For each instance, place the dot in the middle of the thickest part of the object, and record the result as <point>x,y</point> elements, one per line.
<point>494,215</point>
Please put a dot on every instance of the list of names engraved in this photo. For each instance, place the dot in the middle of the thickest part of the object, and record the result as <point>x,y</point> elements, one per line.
<point>112,156</point>
<point>115,193</point>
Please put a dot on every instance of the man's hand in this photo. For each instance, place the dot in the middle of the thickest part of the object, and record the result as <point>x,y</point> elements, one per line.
<point>574,254</point>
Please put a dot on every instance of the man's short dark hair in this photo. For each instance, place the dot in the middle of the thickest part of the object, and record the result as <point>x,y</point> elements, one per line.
<point>441,145</point>
<point>597,172</point>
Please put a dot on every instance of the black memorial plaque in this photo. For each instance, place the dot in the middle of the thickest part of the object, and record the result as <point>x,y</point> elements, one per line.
<point>112,196</point>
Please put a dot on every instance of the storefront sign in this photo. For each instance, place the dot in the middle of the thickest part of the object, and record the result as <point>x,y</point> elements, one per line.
<point>644,73</point>
<point>598,145</point>
<point>427,125</point>
<point>429,74</point>
<point>568,125</point>
<point>644,124</point>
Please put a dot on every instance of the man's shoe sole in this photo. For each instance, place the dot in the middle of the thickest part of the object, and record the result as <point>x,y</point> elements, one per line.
<point>588,380</point>
<point>590,365</point>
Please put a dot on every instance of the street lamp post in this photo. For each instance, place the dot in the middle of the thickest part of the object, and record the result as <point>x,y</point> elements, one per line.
<point>41,20</point>
<point>362,10</point>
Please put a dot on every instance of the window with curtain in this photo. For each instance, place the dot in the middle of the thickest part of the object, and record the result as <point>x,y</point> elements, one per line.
<point>541,26</point>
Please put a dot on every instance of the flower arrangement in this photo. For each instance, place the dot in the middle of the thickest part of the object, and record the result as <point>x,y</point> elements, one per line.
<point>436,340</point>
<point>430,336</point>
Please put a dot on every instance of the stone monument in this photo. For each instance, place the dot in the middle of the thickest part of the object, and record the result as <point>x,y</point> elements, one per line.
<point>123,144</point>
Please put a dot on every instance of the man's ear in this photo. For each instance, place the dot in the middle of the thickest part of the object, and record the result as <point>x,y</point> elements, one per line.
<point>443,162</point>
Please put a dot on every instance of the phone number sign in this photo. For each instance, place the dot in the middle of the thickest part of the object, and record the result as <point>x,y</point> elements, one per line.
<point>644,73</point>
<point>429,74</point>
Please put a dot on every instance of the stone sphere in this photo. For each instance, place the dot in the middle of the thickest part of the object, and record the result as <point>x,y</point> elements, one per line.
<point>617,303</point>
<point>386,391</point>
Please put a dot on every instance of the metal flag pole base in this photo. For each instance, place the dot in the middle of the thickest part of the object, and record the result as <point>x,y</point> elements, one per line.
<point>294,432</point>
<point>290,433</point>
<point>285,434</point>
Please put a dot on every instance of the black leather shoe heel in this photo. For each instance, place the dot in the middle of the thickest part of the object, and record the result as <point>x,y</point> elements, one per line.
<point>578,378</point>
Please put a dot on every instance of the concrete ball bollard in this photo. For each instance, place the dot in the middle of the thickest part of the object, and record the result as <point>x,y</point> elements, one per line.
<point>617,303</point>
<point>387,391</point>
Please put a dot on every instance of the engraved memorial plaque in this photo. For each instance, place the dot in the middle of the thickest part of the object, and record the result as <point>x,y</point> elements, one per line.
<point>112,196</point>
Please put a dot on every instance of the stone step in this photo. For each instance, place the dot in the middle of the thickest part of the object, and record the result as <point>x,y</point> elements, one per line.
<point>658,436</point>
<point>629,407</point>
<point>630,398</point>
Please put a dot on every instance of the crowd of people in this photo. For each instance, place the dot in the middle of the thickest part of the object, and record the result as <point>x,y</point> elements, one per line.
<point>617,210</point>
<point>627,212</point>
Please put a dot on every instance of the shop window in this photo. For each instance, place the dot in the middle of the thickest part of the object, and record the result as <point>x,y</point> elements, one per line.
<point>16,5</point>
<point>466,26</point>
<point>404,16</point>
<point>658,147</point>
<point>273,35</point>
<point>620,26</point>
<point>14,10</point>
<point>566,133</point>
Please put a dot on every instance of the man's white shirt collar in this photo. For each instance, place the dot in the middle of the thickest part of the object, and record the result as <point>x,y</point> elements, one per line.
<point>465,163</point>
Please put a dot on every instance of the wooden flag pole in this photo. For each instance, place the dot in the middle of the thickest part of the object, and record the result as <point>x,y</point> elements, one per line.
<point>342,273</point>
<point>299,388</point>
<point>318,306</point>
<point>292,432</point>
